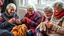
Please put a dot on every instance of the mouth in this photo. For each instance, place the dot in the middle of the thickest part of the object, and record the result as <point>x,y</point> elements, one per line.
<point>56,12</point>
<point>11,12</point>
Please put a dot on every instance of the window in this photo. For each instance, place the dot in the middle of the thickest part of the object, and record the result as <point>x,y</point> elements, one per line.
<point>37,3</point>
<point>47,1</point>
<point>25,2</point>
<point>33,1</point>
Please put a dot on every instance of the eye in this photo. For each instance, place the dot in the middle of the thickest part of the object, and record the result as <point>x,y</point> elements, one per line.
<point>12,9</point>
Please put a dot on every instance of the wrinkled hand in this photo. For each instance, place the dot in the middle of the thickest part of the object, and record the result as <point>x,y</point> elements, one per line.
<point>12,20</point>
<point>49,25</point>
<point>18,21</point>
<point>27,20</point>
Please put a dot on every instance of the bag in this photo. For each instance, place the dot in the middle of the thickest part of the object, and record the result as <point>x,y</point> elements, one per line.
<point>19,30</point>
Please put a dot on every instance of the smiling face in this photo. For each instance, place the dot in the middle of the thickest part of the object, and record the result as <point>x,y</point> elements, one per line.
<point>58,7</point>
<point>48,13</point>
<point>30,11</point>
<point>11,10</point>
<point>56,10</point>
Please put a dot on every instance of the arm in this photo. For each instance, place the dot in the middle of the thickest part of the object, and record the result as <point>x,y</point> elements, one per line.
<point>38,20</point>
<point>33,23</point>
<point>39,26</point>
<point>4,24</point>
<point>59,29</point>
<point>42,20</point>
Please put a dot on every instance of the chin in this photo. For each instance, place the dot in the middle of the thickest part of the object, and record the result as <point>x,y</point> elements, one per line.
<point>30,14</point>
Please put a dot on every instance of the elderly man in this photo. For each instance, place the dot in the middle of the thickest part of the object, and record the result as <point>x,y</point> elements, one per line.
<point>10,19</point>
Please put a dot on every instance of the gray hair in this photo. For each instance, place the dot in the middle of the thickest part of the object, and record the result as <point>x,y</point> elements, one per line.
<point>31,6</point>
<point>58,4</point>
<point>11,5</point>
<point>47,9</point>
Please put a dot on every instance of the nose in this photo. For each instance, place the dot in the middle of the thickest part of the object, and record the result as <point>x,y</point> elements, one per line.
<point>12,11</point>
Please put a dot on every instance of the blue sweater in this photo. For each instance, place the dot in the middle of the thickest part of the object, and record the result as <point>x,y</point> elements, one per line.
<point>6,17</point>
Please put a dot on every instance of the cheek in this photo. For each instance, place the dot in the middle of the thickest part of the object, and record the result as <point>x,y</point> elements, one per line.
<point>8,11</point>
<point>48,14</point>
<point>56,10</point>
<point>29,12</point>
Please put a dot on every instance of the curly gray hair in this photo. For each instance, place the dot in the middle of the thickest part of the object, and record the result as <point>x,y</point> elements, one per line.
<point>11,5</point>
<point>31,6</point>
<point>58,5</point>
<point>47,9</point>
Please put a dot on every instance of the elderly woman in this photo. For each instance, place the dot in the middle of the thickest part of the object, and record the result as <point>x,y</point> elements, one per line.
<point>46,18</point>
<point>31,19</point>
<point>56,25</point>
<point>10,18</point>
<point>47,14</point>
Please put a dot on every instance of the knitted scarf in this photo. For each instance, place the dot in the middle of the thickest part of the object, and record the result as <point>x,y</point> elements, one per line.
<point>59,15</point>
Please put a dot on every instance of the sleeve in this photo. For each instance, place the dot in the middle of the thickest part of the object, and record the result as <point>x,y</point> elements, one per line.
<point>16,16</point>
<point>39,25</point>
<point>59,29</point>
<point>33,23</point>
<point>36,22</point>
<point>4,24</point>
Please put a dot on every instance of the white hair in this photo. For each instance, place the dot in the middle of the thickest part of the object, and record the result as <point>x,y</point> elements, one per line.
<point>11,5</point>
<point>31,6</point>
<point>58,4</point>
<point>47,8</point>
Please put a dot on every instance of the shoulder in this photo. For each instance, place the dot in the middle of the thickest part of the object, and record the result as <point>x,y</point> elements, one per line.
<point>37,14</point>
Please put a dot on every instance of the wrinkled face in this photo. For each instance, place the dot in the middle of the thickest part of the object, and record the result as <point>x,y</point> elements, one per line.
<point>56,10</point>
<point>11,10</point>
<point>48,13</point>
<point>30,11</point>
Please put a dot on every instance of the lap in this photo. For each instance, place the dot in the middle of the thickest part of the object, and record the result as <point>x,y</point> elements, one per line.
<point>55,35</point>
<point>5,32</point>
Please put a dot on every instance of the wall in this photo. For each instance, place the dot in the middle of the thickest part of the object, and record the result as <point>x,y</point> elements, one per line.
<point>21,11</point>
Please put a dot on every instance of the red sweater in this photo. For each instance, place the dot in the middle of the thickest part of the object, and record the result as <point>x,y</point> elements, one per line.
<point>32,21</point>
